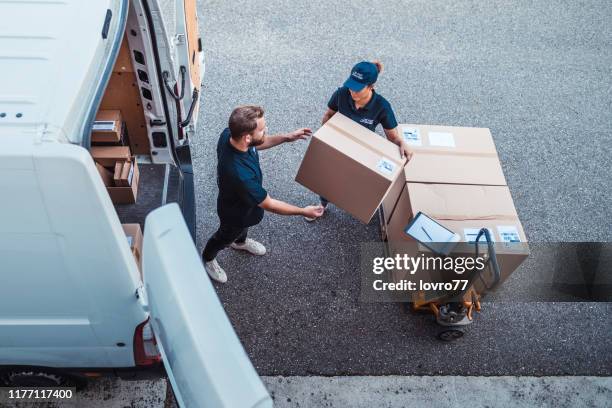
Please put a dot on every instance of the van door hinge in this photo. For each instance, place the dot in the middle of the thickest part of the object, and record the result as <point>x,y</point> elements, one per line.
<point>179,39</point>
<point>141,295</point>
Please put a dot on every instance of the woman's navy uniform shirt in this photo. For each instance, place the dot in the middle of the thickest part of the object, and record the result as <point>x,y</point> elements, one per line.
<point>377,110</point>
<point>239,179</point>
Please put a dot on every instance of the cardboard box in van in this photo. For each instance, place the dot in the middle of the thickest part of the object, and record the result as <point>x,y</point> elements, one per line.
<point>464,209</point>
<point>105,175</point>
<point>449,155</point>
<point>126,194</point>
<point>351,166</point>
<point>122,174</point>
<point>133,234</point>
<point>107,156</point>
<point>108,127</point>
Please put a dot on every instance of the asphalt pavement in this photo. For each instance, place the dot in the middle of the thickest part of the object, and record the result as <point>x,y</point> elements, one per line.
<point>538,74</point>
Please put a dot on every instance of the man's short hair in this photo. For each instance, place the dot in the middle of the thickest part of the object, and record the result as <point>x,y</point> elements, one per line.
<point>243,120</point>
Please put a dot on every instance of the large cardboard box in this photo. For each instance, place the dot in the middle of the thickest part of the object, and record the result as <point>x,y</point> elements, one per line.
<point>351,166</point>
<point>449,155</point>
<point>129,194</point>
<point>464,209</point>
<point>133,234</point>
<point>107,127</point>
<point>107,156</point>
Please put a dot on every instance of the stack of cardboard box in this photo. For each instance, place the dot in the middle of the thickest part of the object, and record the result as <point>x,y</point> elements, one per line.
<point>455,177</point>
<point>117,167</point>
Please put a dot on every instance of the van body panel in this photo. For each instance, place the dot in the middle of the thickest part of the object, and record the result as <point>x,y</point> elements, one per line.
<point>50,67</point>
<point>68,276</point>
<point>204,358</point>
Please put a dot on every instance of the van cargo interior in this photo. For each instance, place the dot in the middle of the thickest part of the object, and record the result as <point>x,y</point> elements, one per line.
<point>158,184</point>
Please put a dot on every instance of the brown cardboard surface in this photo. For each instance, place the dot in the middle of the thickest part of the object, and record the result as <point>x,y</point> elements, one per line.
<point>342,164</point>
<point>117,174</point>
<point>125,171</point>
<point>108,136</point>
<point>468,140</point>
<point>134,231</point>
<point>458,207</point>
<point>472,159</point>
<point>107,177</point>
<point>126,195</point>
<point>107,156</point>
<point>455,169</point>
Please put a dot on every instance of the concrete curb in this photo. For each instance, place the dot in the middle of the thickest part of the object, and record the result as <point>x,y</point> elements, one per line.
<point>443,391</point>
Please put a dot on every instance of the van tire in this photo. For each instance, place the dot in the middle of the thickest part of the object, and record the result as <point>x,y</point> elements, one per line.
<point>39,377</point>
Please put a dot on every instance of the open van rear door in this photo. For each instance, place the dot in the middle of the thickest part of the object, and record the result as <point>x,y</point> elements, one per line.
<point>206,363</point>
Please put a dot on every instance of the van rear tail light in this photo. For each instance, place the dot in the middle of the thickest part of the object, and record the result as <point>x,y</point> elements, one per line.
<point>145,345</point>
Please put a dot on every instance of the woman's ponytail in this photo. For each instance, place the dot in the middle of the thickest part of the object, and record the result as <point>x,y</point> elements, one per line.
<point>379,66</point>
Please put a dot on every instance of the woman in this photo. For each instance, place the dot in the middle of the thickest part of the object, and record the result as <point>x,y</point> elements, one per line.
<point>358,100</point>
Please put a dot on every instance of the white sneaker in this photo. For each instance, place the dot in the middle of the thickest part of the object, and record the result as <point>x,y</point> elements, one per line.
<point>215,271</point>
<point>250,245</point>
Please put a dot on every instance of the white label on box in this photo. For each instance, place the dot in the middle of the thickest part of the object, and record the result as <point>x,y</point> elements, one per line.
<point>442,139</point>
<point>470,235</point>
<point>508,233</point>
<point>131,174</point>
<point>412,136</point>
<point>386,166</point>
<point>104,125</point>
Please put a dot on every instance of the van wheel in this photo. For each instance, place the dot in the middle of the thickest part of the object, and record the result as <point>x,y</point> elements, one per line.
<point>36,377</point>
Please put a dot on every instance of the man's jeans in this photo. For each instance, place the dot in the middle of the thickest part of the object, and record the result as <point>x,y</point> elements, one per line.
<point>221,239</point>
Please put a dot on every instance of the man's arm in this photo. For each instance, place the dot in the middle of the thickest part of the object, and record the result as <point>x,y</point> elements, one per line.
<point>327,115</point>
<point>393,136</point>
<point>275,140</point>
<point>283,208</point>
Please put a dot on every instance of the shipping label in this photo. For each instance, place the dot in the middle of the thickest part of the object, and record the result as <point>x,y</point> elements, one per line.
<point>385,166</point>
<point>470,235</point>
<point>441,139</point>
<point>412,136</point>
<point>104,125</point>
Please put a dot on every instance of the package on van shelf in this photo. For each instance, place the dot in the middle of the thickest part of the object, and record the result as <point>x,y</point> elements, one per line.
<point>108,127</point>
<point>125,182</point>
<point>123,170</point>
<point>107,156</point>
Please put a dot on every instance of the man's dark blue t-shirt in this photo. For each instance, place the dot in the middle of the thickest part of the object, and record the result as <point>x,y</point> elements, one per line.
<point>377,110</point>
<point>239,179</point>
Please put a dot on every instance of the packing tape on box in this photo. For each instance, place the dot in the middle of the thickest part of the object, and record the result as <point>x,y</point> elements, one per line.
<point>471,217</point>
<point>454,153</point>
<point>366,145</point>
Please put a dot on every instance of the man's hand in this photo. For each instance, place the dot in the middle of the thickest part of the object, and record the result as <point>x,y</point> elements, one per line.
<point>313,211</point>
<point>405,150</point>
<point>303,133</point>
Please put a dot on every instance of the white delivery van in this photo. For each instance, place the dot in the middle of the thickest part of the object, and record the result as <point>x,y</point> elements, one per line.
<point>73,300</point>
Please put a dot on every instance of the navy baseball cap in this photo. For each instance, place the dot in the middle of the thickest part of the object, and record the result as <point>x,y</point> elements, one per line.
<point>362,74</point>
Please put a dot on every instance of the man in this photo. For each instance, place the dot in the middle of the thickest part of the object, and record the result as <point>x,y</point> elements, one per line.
<point>242,199</point>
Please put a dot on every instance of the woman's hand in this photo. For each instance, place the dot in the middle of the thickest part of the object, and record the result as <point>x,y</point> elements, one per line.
<point>405,150</point>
